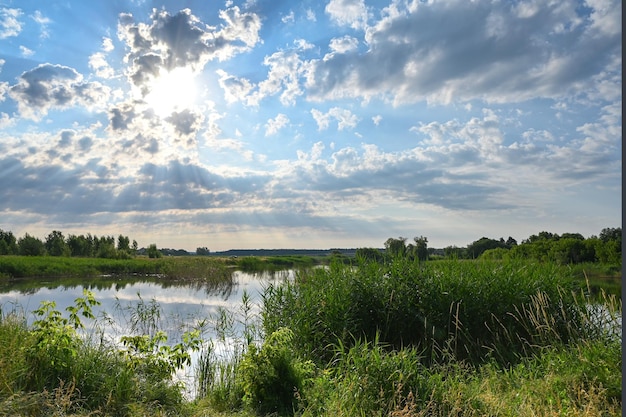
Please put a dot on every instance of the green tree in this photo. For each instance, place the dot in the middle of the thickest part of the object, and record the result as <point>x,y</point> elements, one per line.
<point>611,233</point>
<point>369,254</point>
<point>395,247</point>
<point>571,250</point>
<point>30,246</point>
<point>204,251</point>
<point>541,236</point>
<point>123,244</point>
<point>8,243</point>
<point>56,245</point>
<point>453,252</point>
<point>153,252</point>
<point>476,248</point>
<point>608,252</point>
<point>80,246</point>
<point>576,236</point>
<point>421,248</point>
<point>105,247</point>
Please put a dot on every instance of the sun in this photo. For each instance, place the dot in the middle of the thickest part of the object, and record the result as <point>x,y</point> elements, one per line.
<point>171,91</point>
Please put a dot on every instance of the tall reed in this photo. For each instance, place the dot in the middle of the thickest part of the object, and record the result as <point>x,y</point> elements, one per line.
<point>441,308</point>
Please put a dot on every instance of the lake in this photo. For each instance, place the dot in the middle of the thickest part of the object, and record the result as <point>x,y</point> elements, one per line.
<point>144,305</point>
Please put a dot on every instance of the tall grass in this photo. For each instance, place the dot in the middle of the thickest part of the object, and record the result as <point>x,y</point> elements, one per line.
<point>448,307</point>
<point>179,268</point>
<point>403,339</point>
<point>574,374</point>
<point>274,263</point>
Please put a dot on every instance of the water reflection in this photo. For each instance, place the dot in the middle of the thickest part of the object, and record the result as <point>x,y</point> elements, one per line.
<point>178,306</point>
<point>171,306</point>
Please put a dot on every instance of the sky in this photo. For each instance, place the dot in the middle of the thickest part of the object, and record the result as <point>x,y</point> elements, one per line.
<point>310,124</point>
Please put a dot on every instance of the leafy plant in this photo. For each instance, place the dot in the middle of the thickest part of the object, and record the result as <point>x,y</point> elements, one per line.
<point>57,342</point>
<point>154,358</point>
<point>272,376</point>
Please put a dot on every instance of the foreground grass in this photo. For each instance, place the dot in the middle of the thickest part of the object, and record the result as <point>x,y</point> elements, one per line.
<point>49,370</point>
<point>401,339</point>
<point>435,339</point>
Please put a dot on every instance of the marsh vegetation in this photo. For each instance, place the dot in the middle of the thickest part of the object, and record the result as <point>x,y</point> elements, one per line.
<point>397,337</point>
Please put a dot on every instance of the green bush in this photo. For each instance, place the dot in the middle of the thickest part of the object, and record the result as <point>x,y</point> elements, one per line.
<point>51,369</point>
<point>272,376</point>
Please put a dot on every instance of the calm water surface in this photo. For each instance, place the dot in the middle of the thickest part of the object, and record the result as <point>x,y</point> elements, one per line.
<point>174,307</point>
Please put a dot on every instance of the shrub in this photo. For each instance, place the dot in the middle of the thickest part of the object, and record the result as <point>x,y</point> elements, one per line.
<point>272,376</point>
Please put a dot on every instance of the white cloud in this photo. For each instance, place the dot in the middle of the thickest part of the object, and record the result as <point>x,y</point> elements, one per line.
<point>182,40</point>
<point>377,119</point>
<point>4,88</point>
<point>274,125</point>
<point>322,119</point>
<point>606,16</point>
<point>55,86</point>
<point>303,45</point>
<point>99,64</point>
<point>352,13</point>
<point>235,89</point>
<point>412,57</point>
<point>26,52</point>
<point>344,118</point>
<point>310,15</point>
<point>43,23</point>
<point>288,18</point>
<point>107,44</point>
<point>10,25</point>
<point>5,120</point>
<point>343,44</point>
<point>285,69</point>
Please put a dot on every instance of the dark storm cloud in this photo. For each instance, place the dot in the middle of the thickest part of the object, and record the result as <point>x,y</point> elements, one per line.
<point>40,189</point>
<point>54,86</point>
<point>177,173</point>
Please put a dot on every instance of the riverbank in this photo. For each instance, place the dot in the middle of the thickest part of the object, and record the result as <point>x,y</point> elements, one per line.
<point>400,339</point>
<point>171,267</point>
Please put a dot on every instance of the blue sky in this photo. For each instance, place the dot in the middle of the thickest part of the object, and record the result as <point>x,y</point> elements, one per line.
<point>310,124</point>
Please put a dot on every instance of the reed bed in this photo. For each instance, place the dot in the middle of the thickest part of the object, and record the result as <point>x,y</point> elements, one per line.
<point>178,268</point>
<point>451,338</point>
<point>396,339</point>
<point>454,307</point>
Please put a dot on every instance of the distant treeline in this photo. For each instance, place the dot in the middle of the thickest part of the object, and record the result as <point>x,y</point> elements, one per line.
<point>568,248</point>
<point>56,244</point>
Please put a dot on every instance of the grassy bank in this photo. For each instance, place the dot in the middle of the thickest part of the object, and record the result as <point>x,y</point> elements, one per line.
<point>275,263</point>
<point>401,339</point>
<point>181,268</point>
<point>446,338</point>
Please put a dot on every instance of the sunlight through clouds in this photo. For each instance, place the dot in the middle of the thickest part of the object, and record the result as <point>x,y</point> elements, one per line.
<point>173,90</point>
<point>339,123</point>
